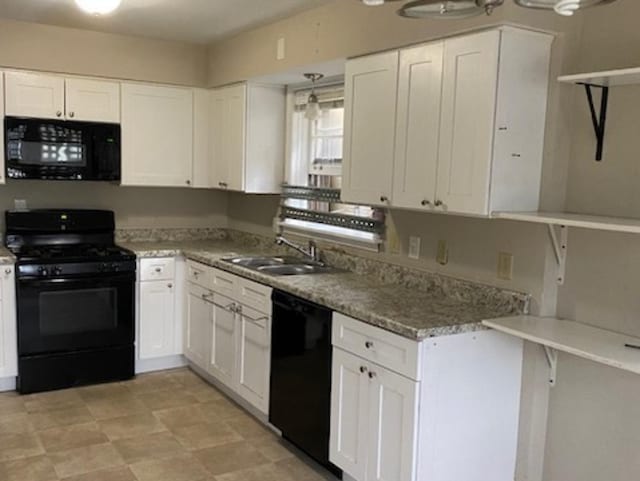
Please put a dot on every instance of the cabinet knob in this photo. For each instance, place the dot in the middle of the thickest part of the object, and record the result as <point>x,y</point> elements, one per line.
<point>438,203</point>
<point>363,369</point>
<point>188,182</point>
<point>368,344</point>
<point>383,198</point>
<point>58,114</point>
<point>372,375</point>
<point>425,203</point>
<point>170,286</point>
<point>158,269</point>
<point>8,271</point>
<point>72,114</point>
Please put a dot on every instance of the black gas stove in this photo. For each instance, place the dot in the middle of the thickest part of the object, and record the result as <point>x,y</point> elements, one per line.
<point>75,293</point>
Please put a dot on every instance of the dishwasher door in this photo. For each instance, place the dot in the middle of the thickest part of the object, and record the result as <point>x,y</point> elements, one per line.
<point>300,396</point>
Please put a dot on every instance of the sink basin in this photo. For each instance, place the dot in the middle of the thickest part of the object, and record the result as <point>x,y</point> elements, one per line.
<point>281,265</point>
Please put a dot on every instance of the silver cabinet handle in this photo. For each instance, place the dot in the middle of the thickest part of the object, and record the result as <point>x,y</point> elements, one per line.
<point>372,375</point>
<point>368,345</point>
<point>363,369</point>
<point>438,203</point>
<point>72,114</point>
<point>58,113</point>
<point>263,318</point>
<point>384,198</point>
<point>188,182</point>
<point>8,271</point>
<point>425,203</point>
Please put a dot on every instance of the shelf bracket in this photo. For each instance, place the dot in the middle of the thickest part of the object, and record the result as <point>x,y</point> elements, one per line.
<point>552,360</point>
<point>599,119</point>
<point>560,243</point>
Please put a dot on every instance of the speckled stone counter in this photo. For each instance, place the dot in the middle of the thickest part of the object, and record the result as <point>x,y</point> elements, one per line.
<point>416,312</point>
<point>6,257</point>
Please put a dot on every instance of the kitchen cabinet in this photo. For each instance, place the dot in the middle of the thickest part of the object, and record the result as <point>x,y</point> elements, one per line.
<point>229,326</point>
<point>202,176</point>
<point>92,100</point>
<point>2,129</point>
<point>405,410</point>
<point>157,135</point>
<point>458,125</point>
<point>418,126</point>
<point>247,132</point>
<point>198,327</point>
<point>369,136</point>
<point>54,97</point>
<point>160,314</point>
<point>8,334</point>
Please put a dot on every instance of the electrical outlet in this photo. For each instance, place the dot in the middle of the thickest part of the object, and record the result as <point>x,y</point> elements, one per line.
<point>414,247</point>
<point>505,266</point>
<point>20,204</point>
<point>442,256</point>
<point>281,49</point>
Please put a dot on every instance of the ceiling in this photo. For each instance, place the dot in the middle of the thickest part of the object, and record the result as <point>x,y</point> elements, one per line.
<point>194,21</point>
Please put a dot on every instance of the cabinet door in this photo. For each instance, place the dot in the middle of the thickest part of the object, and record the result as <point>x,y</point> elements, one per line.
<point>254,357</point>
<point>202,162</point>
<point>466,132</point>
<point>93,100</point>
<point>8,336</point>
<point>157,135</point>
<point>34,95</point>
<point>222,361</point>
<point>392,426</point>
<point>198,327</point>
<point>157,319</point>
<point>370,125</point>
<point>228,133</point>
<point>418,127</point>
<point>348,443</point>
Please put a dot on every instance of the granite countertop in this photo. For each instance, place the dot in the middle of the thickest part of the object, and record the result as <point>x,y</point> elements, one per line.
<point>411,313</point>
<point>6,257</point>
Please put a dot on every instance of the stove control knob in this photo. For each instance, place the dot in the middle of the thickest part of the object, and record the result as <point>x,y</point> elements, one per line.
<point>43,271</point>
<point>103,267</point>
<point>115,267</point>
<point>57,271</point>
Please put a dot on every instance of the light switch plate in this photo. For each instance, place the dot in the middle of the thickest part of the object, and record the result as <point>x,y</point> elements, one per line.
<point>414,247</point>
<point>442,256</point>
<point>281,49</point>
<point>505,266</point>
<point>20,204</point>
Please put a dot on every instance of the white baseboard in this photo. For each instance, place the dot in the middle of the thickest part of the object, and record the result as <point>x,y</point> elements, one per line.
<point>7,384</point>
<point>160,364</point>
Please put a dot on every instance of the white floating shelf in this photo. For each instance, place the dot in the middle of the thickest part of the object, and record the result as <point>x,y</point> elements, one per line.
<point>598,345</point>
<point>615,224</point>
<point>610,78</point>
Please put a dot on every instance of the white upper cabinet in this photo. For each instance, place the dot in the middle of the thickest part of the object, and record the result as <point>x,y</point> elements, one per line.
<point>468,110</point>
<point>2,148</point>
<point>202,164</point>
<point>247,123</point>
<point>370,119</point>
<point>459,124</point>
<point>34,95</point>
<point>157,135</point>
<point>53,97</point>
<point>93,100</point>
<point>418,126</point>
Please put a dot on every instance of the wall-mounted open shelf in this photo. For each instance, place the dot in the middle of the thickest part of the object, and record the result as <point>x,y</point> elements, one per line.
<point>602,81</point>
<point>587,342</point>
<point>559,223</point>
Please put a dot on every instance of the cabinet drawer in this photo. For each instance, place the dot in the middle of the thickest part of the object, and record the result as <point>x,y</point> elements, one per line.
<point>389,350</point>
<point>254,295</point>
<point>224,283</point>
<point>199,274</point>
<point>157,269</point>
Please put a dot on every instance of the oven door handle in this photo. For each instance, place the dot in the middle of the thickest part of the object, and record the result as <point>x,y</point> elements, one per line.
<point>36,281</point>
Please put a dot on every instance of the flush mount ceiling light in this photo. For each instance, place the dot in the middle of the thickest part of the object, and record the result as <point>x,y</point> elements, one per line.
<point>562,7</point>
<point>98,7</point>
<point>448,8</point>
<point>312,111</point>
<point>376,3</point>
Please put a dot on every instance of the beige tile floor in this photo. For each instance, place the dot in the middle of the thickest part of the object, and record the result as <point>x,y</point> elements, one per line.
<point>167,426</point>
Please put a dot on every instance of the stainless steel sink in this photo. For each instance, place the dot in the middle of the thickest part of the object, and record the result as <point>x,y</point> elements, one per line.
<point>281,265</point>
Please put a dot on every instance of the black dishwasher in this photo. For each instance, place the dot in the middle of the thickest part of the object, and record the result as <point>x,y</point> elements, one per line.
<point>300,398</point>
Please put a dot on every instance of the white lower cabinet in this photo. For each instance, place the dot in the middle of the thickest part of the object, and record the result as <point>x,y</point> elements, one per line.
<point>8,336</point>
<point>160,314</point>
<point>455,416</point>
<point>226,337</point>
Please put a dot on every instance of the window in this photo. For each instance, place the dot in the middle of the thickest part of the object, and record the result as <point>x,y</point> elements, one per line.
<point>311,197</point>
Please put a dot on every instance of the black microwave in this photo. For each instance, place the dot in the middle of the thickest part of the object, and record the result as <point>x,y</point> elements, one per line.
<point>61,150</point>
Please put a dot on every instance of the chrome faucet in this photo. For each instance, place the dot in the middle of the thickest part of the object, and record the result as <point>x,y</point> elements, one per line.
<point>312,251</point>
